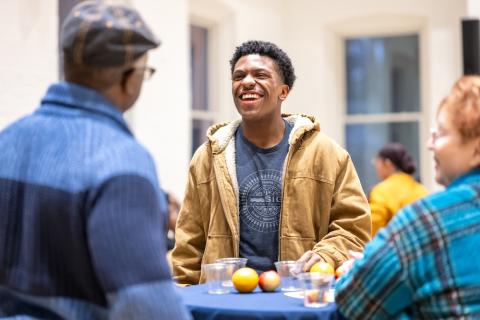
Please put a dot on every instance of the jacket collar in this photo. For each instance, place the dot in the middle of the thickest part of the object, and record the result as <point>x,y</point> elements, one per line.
<point>72,96</point>
<point>220,134</point>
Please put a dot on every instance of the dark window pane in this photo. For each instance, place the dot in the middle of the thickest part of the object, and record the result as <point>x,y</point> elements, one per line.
<point>199,67</point>
<point>199,133</point>
<point>364,141</point>
<point>382,75</point>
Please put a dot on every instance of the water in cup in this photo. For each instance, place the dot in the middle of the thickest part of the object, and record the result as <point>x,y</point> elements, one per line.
<point>233,264</point>
<point>288,271</point>
<point>316,288</point>
<point>215,275</point>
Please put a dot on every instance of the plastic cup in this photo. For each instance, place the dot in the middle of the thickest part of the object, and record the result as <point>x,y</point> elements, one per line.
<point>288,271</point>
<point>233,264</point>
<point>215,275</point>
<point>316,288</point>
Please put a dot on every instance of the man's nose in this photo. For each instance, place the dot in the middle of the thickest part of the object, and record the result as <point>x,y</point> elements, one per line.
<point>248,81</point>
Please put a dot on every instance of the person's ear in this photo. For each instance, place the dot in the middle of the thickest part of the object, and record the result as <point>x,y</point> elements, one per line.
<point>126,82</point>
<point>284,92</point>
<point>389,164</point>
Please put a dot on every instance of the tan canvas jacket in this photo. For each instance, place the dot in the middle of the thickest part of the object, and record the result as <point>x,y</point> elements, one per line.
<point>323,206</point>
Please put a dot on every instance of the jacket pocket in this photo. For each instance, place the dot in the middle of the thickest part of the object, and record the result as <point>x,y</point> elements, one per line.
<point>217,246</point>
<point>306,207</point>
<point>310,174</point>
<point>293,247</point>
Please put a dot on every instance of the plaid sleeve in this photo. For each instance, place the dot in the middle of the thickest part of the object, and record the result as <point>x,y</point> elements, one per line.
<point>375,288</point>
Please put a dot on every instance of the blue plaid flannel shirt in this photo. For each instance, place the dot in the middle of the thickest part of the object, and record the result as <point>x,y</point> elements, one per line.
<point>424,264</point>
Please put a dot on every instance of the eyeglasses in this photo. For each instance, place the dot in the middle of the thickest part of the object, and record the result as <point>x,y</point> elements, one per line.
<point>147,71</point>
<point>435,134</point>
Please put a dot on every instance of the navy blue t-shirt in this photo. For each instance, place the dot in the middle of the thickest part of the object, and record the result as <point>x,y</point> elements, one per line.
<point>259,176</point>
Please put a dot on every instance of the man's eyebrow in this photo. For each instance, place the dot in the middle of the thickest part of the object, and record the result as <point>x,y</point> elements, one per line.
<point>259,69</point>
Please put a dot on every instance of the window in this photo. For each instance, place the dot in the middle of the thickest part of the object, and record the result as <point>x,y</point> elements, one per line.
<point>383,99</point>
<point>202,115</point>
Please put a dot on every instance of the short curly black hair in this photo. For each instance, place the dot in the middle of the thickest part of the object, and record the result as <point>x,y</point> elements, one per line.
<point>269,49</point>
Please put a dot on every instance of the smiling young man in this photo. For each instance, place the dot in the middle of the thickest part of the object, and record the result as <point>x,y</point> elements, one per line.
<point>268,186</point>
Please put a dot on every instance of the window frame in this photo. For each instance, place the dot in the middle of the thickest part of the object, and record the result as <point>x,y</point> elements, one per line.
<point>207,112</point>
<point>384,25</point>
<point>216,17</point>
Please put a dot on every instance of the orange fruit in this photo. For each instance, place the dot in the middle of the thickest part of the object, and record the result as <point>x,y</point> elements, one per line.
<point>339,272</point>
<point>322,267</point>
<point>245,280</point>
<point>347,265</point>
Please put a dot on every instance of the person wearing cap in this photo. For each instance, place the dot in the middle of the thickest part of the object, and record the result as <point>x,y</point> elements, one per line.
<point>81,211</point>
<point>268,186</point>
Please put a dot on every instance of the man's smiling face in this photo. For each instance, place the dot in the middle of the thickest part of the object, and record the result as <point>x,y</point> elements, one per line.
<point>257,87</point>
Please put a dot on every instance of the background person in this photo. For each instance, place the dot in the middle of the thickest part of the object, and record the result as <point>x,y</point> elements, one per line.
<point>268,186</point>
<point>81,226</point>
<point>173,209</point>
<point>423,264</point>
<point>395,168</point>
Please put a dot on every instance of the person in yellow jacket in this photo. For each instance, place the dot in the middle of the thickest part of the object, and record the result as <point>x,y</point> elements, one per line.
<point>395,168</point>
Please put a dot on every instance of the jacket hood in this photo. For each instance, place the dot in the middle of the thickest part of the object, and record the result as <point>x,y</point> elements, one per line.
<point>220,134</point>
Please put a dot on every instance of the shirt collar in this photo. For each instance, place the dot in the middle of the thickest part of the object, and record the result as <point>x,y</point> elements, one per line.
<point>473,175</point>
<point>70,95</point>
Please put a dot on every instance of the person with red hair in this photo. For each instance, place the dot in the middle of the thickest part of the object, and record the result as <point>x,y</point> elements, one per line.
<point>422,265</point>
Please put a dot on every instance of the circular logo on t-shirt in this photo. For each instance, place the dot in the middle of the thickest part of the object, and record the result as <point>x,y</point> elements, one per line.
<point>260,199</point>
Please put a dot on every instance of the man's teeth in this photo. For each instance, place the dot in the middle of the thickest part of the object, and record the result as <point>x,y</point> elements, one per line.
<point>250,96</point>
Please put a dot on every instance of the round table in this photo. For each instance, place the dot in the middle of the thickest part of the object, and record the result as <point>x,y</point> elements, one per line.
<point>250,306</point>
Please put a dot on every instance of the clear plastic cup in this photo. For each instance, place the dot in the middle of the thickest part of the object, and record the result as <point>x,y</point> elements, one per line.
<point>288,271</point>
<point>233,264</point>
<point>215,275</point>
<point>316,288</point>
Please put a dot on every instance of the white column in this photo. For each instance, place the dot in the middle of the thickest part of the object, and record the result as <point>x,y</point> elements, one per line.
<point>473,8</point>
<point>160,118</point>
<point>29,50</point>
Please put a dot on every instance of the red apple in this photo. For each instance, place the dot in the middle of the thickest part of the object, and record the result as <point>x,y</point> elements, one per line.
<point>269,281</point>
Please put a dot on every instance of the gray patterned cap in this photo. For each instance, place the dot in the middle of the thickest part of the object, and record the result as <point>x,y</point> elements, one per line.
<point>105,34</point>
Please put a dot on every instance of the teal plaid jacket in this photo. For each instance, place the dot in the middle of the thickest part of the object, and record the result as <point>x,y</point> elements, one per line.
<point>425,264</point>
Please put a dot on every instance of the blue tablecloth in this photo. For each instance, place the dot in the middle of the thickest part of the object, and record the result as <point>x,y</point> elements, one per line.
<point>251,306</point>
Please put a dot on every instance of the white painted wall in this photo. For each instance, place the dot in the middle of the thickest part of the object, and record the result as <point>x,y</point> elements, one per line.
<point>29,35</point>
<point>160,118</point>
<point>473,8</point>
